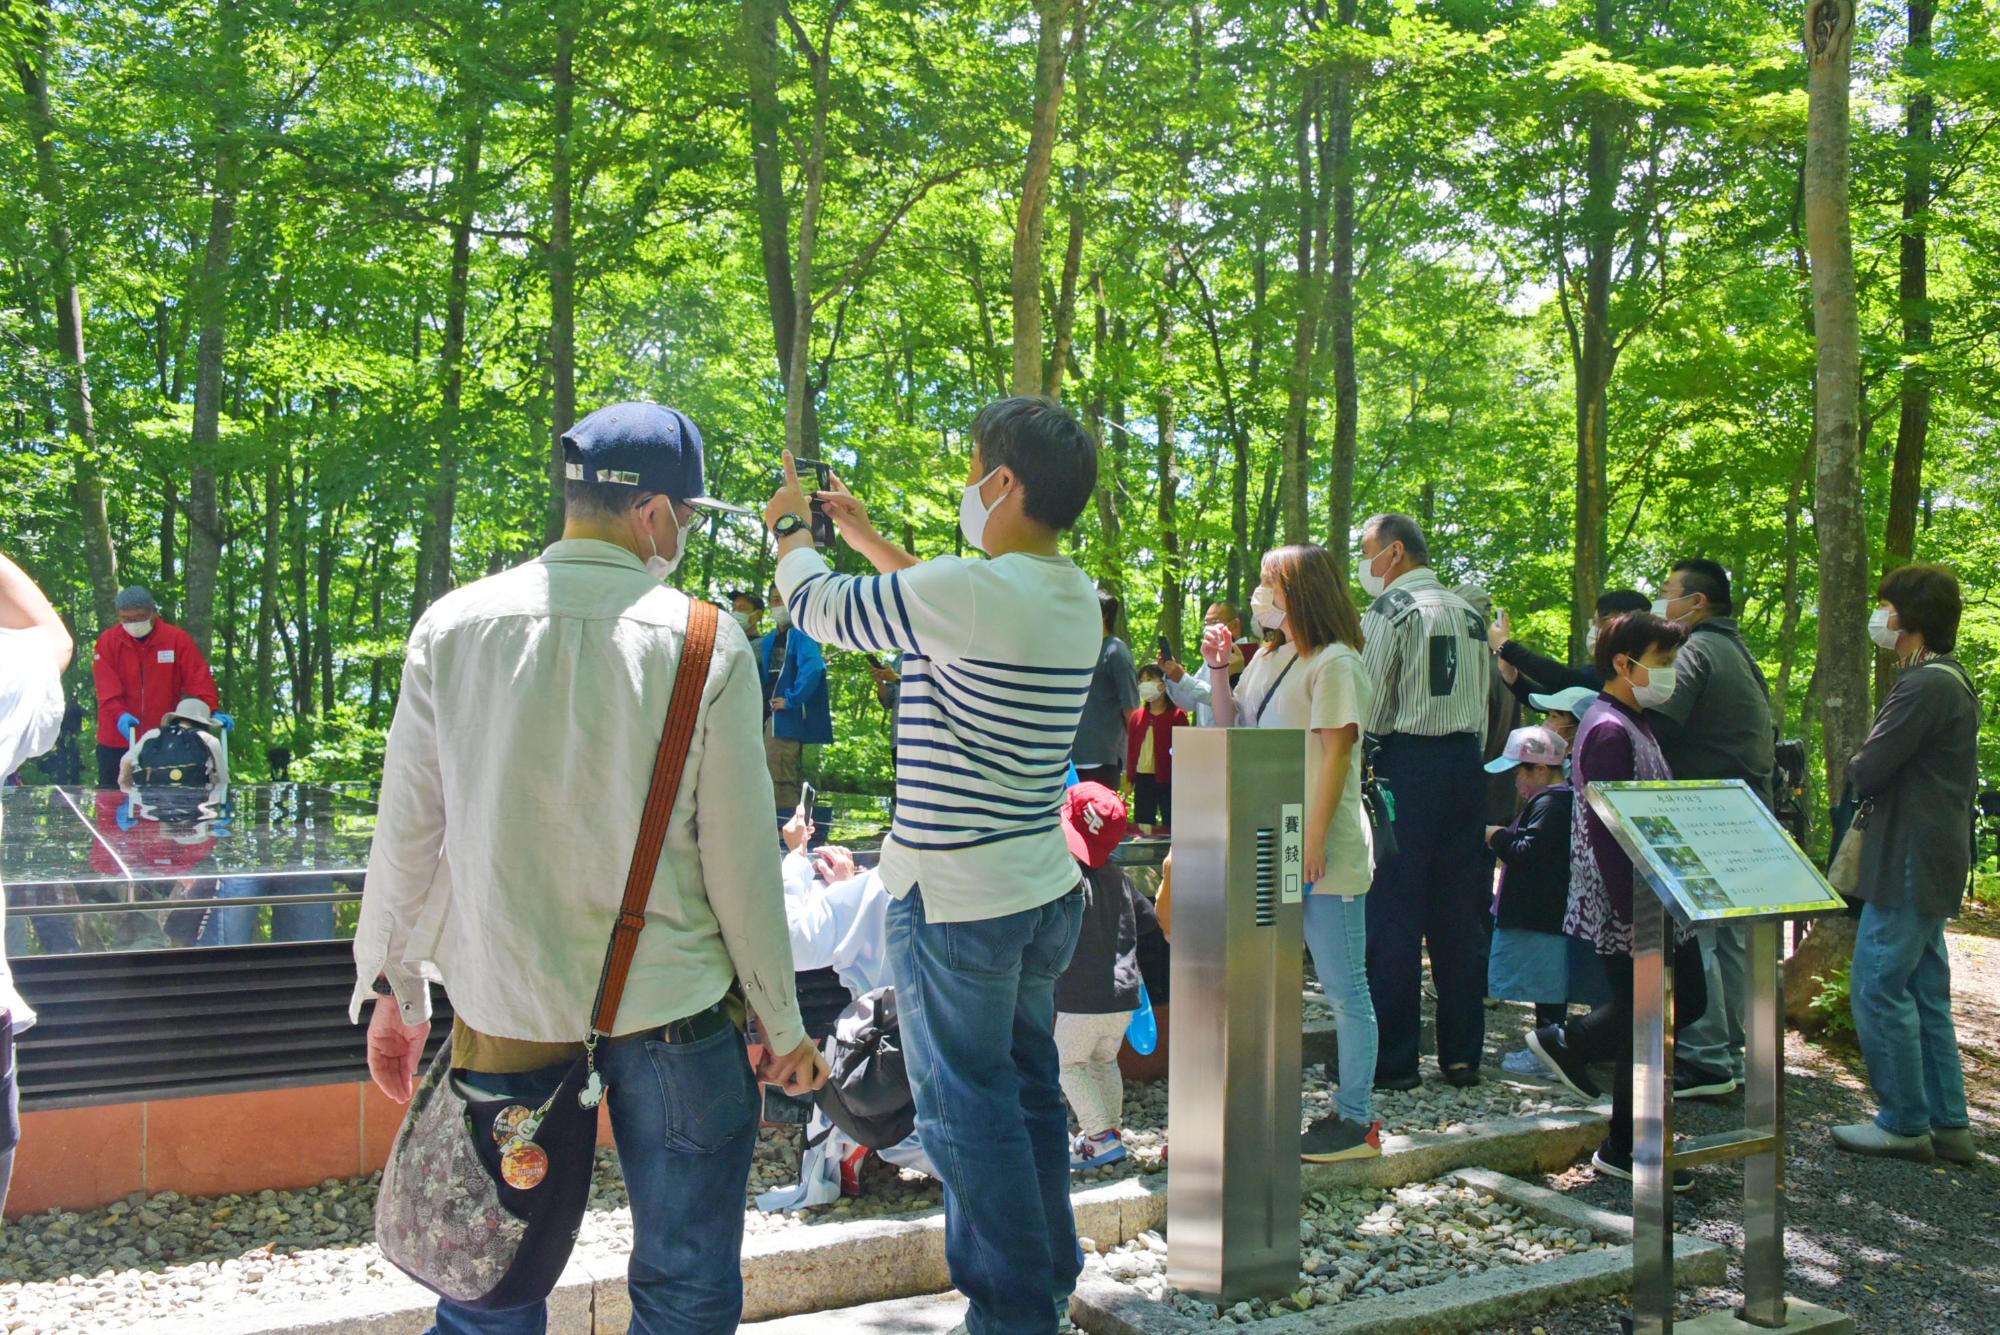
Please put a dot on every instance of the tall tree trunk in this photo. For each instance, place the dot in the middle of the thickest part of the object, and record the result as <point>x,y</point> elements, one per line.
<point>1346,387</point>
<point>1309,252</point>
<point>1052,381</point>
<point>1899,538</point>
<point>434,547</point>
<point>1838,516</point>
<point>329,538</point>
<point>1788,626</point>
<point>757,32</point>
<point>87,485</point>
<point>562,262</point>
<point>798,376</point>
<point>1594,355</point>
<point>276,466</point>
<point>204,552</point>
<point>1173,578</point>
<point>1051,53</point>
<point>1109,540</point>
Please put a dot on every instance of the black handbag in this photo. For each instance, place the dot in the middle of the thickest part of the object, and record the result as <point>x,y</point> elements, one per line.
<point>482,1198</point>
<point>868,1094</point>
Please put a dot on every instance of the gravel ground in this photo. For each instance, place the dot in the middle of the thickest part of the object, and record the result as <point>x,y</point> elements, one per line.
<point>1361,1244</point>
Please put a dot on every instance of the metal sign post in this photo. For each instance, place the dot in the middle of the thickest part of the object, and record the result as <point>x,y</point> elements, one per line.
<point>1238,972</point>
<point>1710,852</point>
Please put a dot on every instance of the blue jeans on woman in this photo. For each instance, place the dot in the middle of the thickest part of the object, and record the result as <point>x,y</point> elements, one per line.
<point>1900,990</point>
<point>977,1002</point>
<point>1337,935</point>
<point>685,1116</point>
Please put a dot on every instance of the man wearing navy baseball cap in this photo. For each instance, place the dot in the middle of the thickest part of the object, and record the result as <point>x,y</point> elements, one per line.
<point>512,789</point>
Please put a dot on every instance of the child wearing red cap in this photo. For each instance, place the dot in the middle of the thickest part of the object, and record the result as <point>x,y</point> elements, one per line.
<point>1097,994</point>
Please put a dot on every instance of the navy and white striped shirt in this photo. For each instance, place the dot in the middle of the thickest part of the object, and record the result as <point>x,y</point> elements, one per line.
<point>1000,655</point>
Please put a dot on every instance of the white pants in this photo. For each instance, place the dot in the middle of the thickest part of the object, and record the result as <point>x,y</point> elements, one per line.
<point>1087,1046</point>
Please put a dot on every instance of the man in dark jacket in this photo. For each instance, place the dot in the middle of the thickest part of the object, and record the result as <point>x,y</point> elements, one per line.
<point>144,666</point>
<point>1099,750</point>
<point>1716,725</point>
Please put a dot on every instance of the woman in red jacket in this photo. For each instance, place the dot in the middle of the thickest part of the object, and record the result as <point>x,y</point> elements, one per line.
<point>1149,759</point>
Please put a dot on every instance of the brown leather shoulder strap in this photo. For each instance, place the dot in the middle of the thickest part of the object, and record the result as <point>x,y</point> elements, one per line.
<point>667,767</point>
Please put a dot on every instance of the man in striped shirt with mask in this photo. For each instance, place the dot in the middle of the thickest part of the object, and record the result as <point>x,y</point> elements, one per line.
<point>998,658</point>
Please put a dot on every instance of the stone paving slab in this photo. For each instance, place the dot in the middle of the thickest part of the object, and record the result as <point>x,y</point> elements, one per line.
<point>905,1316</point>
<point>1508,1145</point>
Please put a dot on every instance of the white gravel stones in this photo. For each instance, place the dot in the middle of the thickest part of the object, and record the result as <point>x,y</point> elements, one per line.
<point>1361,1244</point>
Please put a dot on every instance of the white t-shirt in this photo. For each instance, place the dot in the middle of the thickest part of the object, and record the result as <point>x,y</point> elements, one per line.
<point>31,711</point>
<point>1326,691</point>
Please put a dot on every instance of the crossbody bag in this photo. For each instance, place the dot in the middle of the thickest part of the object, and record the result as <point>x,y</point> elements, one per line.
<point>482,1198</point>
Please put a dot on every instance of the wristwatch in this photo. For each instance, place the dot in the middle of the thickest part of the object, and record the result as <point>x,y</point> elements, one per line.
<point>788,525</point>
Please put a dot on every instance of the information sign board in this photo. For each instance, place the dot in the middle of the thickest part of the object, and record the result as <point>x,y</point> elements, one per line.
<point>1712,851</point>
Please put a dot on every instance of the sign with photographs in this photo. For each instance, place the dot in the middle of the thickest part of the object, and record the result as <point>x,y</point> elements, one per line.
<point>1712,851</point>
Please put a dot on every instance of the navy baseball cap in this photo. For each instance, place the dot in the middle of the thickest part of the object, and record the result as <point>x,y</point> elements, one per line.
<point>645,446</point>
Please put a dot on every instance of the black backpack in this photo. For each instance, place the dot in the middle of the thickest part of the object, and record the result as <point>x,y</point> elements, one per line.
<point>176,755</point>
<point>868,1093</point>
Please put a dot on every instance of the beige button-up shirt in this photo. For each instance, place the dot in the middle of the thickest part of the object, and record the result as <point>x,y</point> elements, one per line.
<point>512,788</point>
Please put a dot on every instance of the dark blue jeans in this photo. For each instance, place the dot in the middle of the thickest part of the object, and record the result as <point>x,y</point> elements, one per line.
<point>1433,893</point>
<point>685,1115</point>
<point>977,1004</point>
<point>1901,996</point>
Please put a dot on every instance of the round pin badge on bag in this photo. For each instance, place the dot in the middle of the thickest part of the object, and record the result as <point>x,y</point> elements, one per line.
<point>510,1124</point>
<point>523,1165</point>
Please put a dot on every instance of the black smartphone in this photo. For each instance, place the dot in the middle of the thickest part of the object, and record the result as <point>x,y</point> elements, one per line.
<point>782,1109</point>
<point>1165,652</point>
<point>822,480</point>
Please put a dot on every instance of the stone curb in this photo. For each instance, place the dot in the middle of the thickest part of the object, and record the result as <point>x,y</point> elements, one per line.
<point>1106,1307</point>
<point>809,1269</point>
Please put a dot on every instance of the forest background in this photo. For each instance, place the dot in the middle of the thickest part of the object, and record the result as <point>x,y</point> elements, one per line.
<point>296,297</point>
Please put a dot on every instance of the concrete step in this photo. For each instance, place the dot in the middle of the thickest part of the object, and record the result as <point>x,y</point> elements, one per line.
<point>932,1315</point>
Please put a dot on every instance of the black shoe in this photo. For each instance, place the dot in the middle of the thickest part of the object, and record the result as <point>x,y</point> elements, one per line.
<point>1547,1044</point>
<point>1620,1167</point>
<point>1698,1082</point>
<point>1398,1084</point>
<point>1462,1077</point>
<point>1334,1139</point>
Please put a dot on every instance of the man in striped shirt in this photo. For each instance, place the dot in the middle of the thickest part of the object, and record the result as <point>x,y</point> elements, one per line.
<point>997,660</point>
<point>1425,652</point>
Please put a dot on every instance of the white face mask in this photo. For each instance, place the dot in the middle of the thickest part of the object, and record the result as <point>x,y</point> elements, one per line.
<point>1659,687</point>
<point>1590,641</point>
<point>742,619</point>
<point>1149,691</point>
<point>659,565</point>
<point>1660,606</point>
<point>1880,631</point>
<point>973,512</point>
<point>1264,608</point>
<point>781,616</point>
<point>138,630</point>
<point>1372,584</point>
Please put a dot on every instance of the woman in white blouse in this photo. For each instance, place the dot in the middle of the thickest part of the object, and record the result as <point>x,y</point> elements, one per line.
<point>1314,682</point>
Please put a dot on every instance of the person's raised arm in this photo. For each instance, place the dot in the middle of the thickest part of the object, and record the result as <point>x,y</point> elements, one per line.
<point>1216,650</point>
<point>850,516</point>
<point>23,606</point>
<point>1187,689</point>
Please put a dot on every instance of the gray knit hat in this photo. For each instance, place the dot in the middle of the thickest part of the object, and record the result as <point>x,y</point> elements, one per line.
<point>135,599</point>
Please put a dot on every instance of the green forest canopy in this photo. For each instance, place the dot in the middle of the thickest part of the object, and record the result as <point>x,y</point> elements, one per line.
<point>344,269</point>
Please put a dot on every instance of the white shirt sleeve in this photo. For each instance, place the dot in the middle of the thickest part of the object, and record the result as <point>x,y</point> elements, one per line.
<point>929,609</point>
<point>31,698</point>
<point>1191,692</point>
<point>745,884</point>
<point>1333,691</point>
<point>409,842</point>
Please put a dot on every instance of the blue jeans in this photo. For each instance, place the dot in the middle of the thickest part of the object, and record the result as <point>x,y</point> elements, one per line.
<point>1900,990</point>
<point>289,922</point>
<point>685,1116</point>
<point>1337,935</point>
<point>977,1004</point>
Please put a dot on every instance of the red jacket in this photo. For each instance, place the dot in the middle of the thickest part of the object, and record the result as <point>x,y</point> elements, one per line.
<point>147,678</point>
<point>1163,726</point>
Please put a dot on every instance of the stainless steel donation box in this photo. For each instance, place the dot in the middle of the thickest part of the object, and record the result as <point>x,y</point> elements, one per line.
<point>1238,972</point>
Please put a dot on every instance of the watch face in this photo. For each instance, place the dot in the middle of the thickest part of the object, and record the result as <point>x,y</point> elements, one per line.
<point>788,525</point>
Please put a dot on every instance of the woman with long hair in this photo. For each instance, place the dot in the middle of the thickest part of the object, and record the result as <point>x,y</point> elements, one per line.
<point>1314,681</point>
